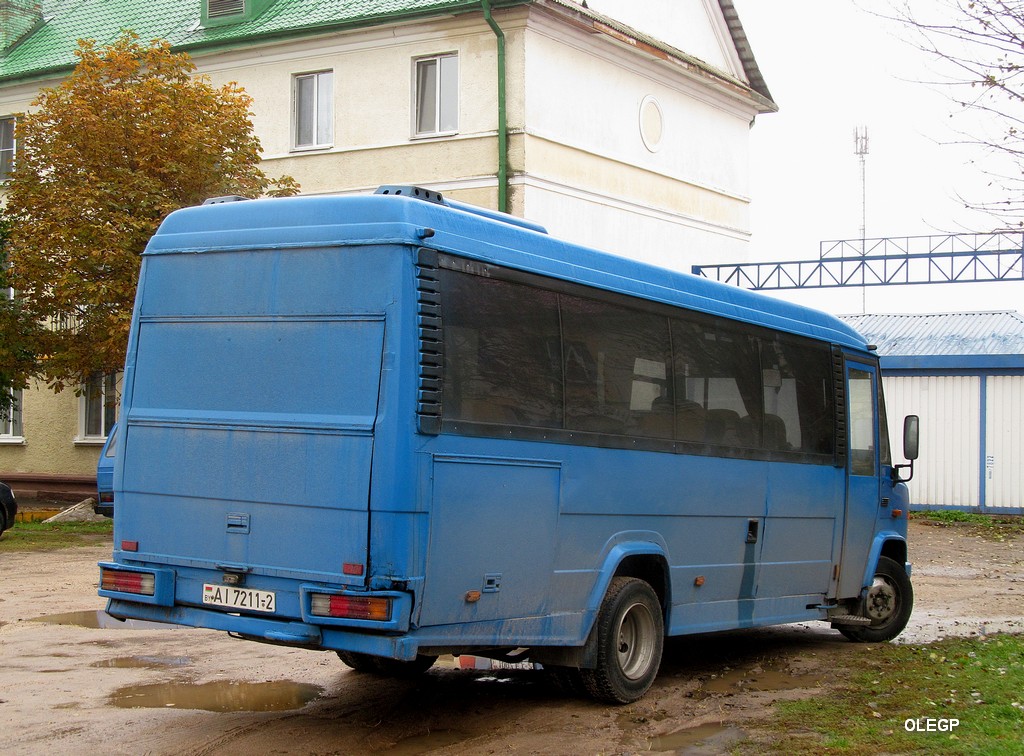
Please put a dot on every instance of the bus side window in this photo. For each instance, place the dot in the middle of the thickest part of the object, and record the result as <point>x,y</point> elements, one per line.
<point>616,367</point>
<point>500,364</point>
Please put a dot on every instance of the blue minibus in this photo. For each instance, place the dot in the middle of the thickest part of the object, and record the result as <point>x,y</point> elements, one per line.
<point>395,426</point>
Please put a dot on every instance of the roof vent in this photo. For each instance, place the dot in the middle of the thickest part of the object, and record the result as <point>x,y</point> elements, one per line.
<point>224,199</point>
<point>428,195</point>
<point>417,192</point>
<point>224,12</point>
<point>219,8</point>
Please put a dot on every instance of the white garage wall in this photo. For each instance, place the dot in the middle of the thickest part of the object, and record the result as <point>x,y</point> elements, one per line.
<point>947,473</point>
<point>1004,442</point>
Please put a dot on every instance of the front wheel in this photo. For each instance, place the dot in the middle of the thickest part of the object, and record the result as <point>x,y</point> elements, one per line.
<point>888,604</point>
<point>630,638</point>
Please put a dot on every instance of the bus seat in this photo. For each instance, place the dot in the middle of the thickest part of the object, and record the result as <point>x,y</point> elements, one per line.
<point>691,421</point>
<point>775,432</point>
<point>658,422</point>
<point>722,427</point>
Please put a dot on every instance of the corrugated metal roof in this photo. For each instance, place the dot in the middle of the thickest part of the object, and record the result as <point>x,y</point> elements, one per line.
<point>943,334</point>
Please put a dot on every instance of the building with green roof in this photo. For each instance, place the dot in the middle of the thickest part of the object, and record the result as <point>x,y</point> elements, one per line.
<point>616,124</point>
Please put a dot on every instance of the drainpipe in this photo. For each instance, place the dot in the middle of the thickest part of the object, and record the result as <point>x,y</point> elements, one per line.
<point>502,109</point>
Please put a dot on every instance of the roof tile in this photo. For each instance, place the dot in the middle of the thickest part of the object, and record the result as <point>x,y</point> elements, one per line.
<point>178,21</point>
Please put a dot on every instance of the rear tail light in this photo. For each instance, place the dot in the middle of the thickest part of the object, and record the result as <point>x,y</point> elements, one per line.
<point>123,581</point>
<point>107,497</point>
<point>351,607</point>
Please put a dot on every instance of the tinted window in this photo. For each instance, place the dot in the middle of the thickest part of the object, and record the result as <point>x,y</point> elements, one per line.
<point>616,369</point>
<point>797,381</point>
<point>502,352</point>
<point>717,388</point>
<point>522,356</point>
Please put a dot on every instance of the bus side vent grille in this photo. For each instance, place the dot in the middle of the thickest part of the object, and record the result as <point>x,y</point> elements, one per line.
<point>839,381</point>
<point>431,352</point>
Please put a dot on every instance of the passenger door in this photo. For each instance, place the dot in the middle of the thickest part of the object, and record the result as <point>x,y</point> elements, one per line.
<point>862,460</point>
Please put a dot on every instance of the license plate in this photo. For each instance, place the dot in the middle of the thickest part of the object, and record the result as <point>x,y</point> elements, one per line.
<point>239,598</point>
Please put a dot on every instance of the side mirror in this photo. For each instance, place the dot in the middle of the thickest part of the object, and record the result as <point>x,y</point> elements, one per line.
<point>911,439</point>
<point>911,436</point>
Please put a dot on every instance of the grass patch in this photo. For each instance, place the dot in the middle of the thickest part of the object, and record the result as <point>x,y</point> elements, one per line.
<point>40,536</point>
<point>978,681</point>
<point>989,527</point>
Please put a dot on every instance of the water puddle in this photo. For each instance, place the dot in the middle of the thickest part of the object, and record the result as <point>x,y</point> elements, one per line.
<point>759,679</point>
<point>143,662</point>
<point>426,743</point>
<point>714,737</point>
<point>100,620</point>
<point>220,696</point>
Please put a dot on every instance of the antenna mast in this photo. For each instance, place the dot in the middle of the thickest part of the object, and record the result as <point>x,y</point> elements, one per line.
<point>860,149</point>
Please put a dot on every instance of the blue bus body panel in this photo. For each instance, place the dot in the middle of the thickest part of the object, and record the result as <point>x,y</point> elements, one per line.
<point>268,430</point>
<point>264,458</point>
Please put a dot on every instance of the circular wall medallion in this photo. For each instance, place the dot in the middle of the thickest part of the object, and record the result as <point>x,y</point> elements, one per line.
<point>652,123</point>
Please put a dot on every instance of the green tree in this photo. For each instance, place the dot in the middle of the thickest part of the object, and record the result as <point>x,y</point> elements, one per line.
<point>131,135</point>
<point>16,357</point>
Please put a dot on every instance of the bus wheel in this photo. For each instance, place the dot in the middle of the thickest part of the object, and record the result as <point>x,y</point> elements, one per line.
<point>399,668</point>
<point>358,662</point>
<point>379,665</point>
<point>630,638</point>
<point>888,604</point>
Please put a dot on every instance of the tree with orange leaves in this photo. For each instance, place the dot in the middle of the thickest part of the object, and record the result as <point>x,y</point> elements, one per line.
<point>131,135</point>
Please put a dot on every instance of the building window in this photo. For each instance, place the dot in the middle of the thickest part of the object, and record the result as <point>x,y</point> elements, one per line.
<point>6,148</point>
<point>437,95</point>
<point>10,427</point>
<point>314,110</point>
<point>100,399</point>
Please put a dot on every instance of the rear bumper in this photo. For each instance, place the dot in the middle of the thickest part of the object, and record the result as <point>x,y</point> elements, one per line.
<point>307,629</point>
<point>281,632</point>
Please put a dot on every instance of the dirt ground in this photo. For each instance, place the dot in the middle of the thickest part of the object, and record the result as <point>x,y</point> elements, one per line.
<point>70,684</point>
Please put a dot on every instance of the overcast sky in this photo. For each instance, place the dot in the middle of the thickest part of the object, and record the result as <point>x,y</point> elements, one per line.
<point>832,66</point>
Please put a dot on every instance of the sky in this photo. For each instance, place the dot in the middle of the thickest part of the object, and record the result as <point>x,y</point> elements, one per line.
<point>833,66</point>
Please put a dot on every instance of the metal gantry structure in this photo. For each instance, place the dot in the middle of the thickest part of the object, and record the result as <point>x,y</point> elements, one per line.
<point>904,260</point>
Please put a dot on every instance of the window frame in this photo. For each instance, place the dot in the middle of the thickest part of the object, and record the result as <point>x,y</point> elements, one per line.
<point>107,412</point>
<point>438,96</point>
<point>12,429</point>
<point>11,149</point>
<point>320,141</point>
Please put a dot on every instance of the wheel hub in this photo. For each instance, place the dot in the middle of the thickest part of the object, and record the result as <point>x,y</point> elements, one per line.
<point>880,603</point>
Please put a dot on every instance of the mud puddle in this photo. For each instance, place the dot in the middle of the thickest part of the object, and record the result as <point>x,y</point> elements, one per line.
<point>760,679</point>
<point>143,662</point>
<point>100,620</point>
<point>713,737</point>
<point>219,696</point>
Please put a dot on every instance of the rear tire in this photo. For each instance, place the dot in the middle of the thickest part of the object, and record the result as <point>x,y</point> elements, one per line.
<point>399,668</point>
<point>630,639</point>
<point>888,603</point>
<point>379,665</point>
<point>358,662</point>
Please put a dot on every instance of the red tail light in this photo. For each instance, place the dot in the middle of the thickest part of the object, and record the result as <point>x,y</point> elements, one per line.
<point>351,607</point>
<point>143,583</point>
